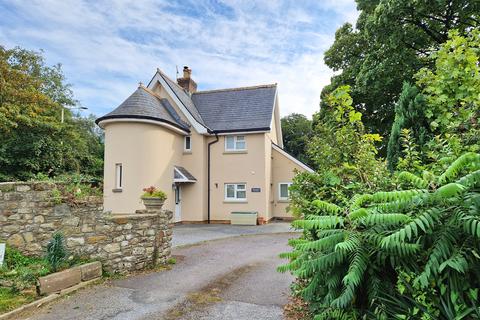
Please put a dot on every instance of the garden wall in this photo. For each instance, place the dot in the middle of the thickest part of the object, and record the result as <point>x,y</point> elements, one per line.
<point>29,216</point>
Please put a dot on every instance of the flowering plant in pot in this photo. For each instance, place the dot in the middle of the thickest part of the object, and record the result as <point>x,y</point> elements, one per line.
<point>153,198</point>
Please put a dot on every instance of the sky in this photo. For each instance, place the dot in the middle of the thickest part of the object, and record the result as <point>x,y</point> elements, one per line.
<point>107,47</point>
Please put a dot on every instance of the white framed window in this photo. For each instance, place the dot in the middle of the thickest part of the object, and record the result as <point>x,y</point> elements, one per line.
<point>187,145</point>
<point>235,192</point>
<point>118,176</point>
<point>235,143</point>
<point>283,190</point>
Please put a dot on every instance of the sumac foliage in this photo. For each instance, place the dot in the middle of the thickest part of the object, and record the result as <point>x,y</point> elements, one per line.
<point>412,253</point>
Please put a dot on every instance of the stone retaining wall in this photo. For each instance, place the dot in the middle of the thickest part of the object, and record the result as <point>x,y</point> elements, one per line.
<point>29,217</point>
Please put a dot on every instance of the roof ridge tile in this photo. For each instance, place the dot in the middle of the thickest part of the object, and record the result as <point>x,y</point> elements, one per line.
<point>260,86</point>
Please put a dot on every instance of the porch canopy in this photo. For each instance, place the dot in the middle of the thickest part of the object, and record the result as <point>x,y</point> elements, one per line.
<point>181,175</point>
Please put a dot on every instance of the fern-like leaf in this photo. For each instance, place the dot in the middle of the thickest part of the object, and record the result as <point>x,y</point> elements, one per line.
<point>457,262</point>
<point>441,250</point>
<point>412,179</point>
<point>322,244</point>
<point>470,180</point>
<point>359,201</point>
<point>381,197</point>
<point>349,245</point>
<point>467,160</point>
<point>319,222</point>
<point>387,218</point>
<point>358,213</point>
<point>327,208</point>
<point>423,223</point>
<point>449,190</point>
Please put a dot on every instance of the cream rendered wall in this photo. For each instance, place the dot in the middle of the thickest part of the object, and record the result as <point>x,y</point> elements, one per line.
<point>246,167</point>
<point>147,153</point>
<point>268,176</point>
<point>283,171</point>
<point>275,125</point>
<point>275,137</point>
<point>193,195</point>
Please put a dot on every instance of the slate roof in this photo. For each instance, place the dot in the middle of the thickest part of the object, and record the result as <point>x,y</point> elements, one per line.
<point>237,109</point>
<point>225,110</point>
<point>184,97</point>
<point>144,105</point>
<point>183,171</point>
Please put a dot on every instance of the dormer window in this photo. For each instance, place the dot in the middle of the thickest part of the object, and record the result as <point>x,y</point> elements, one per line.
<point>235,143</point>
<point>187,146</point>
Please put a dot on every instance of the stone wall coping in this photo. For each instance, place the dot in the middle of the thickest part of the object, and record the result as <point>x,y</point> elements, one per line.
<point>23,183</point>
<point>11,183</point>
<point>133,215</point>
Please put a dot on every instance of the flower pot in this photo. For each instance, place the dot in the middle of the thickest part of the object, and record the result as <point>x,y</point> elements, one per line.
<point>261,221</point>
<point>152,203</point>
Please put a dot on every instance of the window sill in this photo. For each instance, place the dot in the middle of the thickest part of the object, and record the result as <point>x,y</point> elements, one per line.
<point>235,201</point>
<point>187,152</point>
<point>234,151</point>
<point>117,190</point>
<point>283,201</point>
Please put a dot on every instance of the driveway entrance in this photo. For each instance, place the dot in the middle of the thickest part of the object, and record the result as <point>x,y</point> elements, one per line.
<point>227,279</point>
<point>193,233</point>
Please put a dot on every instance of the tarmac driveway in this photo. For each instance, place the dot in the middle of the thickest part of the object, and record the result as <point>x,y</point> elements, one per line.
<point>194,233</point>
<point>230,278</point>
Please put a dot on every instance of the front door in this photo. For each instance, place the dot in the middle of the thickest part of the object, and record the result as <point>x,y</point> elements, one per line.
<point>178,204</point>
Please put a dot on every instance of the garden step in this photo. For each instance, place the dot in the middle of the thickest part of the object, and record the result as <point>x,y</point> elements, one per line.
<point>59,281</point>
<point>91,270</point>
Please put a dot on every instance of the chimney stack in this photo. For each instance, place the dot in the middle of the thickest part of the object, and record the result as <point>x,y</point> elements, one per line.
<point>187,82</point>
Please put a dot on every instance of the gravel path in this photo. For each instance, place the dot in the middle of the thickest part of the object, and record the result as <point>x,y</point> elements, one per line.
<point>233,278</point>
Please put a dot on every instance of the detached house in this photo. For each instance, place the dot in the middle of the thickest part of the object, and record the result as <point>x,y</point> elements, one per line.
<point>213,152</point>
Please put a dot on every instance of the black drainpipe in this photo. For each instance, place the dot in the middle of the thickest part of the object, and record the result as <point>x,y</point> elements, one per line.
<point>208,173</point>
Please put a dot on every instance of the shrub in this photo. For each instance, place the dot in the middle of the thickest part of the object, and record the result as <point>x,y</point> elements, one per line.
<point>409,254</point>
<point>152,192</point>
<point>343,154</point>
<point>56,251</point>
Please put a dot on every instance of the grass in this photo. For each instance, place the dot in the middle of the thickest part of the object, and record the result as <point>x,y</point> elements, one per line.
<point>19,274</point>
<point>10,299</point>
<point>18,277</point>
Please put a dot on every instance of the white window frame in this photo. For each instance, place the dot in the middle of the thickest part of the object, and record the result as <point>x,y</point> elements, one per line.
<point>235,139</point>
<point>280,191</point>
<point>185,144</point>
<point>118,176</point>
<point>235,192</point>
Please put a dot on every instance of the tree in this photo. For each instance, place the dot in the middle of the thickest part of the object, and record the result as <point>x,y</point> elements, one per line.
<point>340,143</point>
<point>296,132</point>
<point>33,140</point>
<point>389,44</point>
<point>342,153</point>
<point>453,84</point>
<point>409,114</point>
<point>30,92</point>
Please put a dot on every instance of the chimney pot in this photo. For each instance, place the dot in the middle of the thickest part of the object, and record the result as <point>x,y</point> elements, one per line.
<point>187,82</point>
<point>187,72</point>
